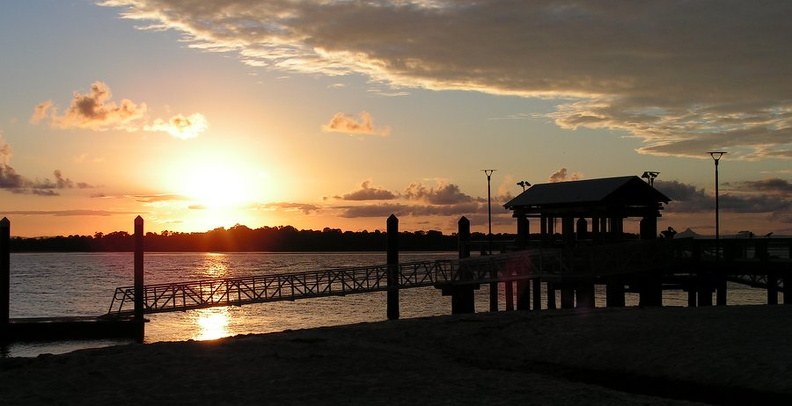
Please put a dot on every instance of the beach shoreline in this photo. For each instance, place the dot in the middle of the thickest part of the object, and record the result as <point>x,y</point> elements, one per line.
<point>720,355</point>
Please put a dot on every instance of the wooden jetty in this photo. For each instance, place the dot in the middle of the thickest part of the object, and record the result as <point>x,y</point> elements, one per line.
<point>571,265</point>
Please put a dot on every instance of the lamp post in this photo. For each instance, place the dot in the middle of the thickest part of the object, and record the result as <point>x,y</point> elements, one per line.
<point>488,172</point>
<point>650,177</point>
<point>524,184</point>
<point>716,156</point>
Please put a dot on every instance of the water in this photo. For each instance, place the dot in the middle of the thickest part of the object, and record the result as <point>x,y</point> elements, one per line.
<point>82,284</point>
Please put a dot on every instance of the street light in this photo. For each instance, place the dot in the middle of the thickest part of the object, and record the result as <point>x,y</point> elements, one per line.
<point>716,156</point>
<point>524,184</point>
<point>650,177</point>
<point>488,172</point>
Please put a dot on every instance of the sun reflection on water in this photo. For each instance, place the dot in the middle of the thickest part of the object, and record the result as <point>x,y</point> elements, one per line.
<point>215,265</point>
<point>213,323</point>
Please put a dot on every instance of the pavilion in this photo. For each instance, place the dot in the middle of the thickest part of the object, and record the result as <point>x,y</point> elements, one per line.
<point>602,203</point>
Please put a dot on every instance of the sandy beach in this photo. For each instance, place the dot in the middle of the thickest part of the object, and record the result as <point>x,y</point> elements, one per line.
<point>649,356</point>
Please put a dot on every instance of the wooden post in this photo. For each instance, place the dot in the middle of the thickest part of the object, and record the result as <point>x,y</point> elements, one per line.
<point>787,289</point>
<point>567,297</point>
<point>509,295</point>
<point>614,292</point>
<point>5,277</point>
<point>524,294</point>
<point>537,293</point>
<point>392,238</point>
<point>772,287</point>
<point>585,295</point>
<point>463,237</point>
<point>551,296</point>
<point>139,299</point>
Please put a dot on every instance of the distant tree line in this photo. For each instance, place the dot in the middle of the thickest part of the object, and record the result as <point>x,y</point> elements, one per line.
<point>240,238</point>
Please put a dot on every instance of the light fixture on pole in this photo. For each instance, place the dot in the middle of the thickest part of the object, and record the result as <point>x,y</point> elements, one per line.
<point>650,177</point>
<point>716,155</point>
<point>524,184</point>
<point>488,172</point>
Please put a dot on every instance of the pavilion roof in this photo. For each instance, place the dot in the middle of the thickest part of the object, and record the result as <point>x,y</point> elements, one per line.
<point>624,191</point>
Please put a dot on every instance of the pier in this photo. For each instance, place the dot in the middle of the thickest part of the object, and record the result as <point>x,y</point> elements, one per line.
<point>524,270</point>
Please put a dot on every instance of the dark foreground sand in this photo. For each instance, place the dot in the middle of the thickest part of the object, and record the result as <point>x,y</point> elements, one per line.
<point>734,355</point>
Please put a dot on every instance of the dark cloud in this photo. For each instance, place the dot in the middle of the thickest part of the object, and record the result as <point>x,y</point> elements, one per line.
<point>683,76</point>
<point>14,182</point>
<point>366,192</point>
<point>773,186</point>
<point>386,209</point>
<point>443,194</point>
<point>305,208</point>
<point>747,199</point>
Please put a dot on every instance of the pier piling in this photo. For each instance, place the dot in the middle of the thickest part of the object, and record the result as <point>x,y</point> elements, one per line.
<point>5,276</point>
<point>139,282</point>
<point>392,242</point>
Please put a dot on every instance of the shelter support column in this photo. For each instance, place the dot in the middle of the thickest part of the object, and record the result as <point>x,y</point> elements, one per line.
<point>537,293</point>
<point>648,228</point>
<point>614,292</point>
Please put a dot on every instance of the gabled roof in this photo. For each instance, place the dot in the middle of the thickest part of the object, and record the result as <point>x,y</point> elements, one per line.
<point>623,190</point>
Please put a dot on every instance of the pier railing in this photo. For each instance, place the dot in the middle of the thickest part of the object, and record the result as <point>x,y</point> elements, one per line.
<point>737,259</point>
<point>180,296</point>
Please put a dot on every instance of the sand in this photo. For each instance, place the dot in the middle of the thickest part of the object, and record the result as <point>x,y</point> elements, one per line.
<point>649,356</point>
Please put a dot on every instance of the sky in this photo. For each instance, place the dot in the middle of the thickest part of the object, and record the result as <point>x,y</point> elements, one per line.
<point>197,115</point>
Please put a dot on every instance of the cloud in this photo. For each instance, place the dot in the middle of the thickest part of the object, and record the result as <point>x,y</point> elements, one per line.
<point>305,208</point>
<point>64,213</point>
<point>366,192</point>
<point>93,110</point>
<point>96,111</point>
<point>14,182</point>
<point>181,127</point>
<point>561,176</point>
<point>772,196</point>
<point>342,123</point>
<point>443,194</point>
<point>682,76</point>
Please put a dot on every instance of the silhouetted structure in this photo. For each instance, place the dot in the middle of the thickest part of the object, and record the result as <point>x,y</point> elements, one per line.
<point>604,203</point>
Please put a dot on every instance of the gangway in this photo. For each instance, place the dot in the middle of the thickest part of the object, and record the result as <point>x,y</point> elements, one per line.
<point>197,294</point>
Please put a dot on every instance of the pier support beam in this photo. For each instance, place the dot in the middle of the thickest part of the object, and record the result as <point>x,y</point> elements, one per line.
<point>614,292</point>
<point>551,296</point>
<point>524,295</point>
<point>772,288</point>
<point>537,293</point>
<point>5,277</point>
<point>585,296</point>
<point>392,241</point>
<point>651,291</point>
<point>509,292</point>
<point>567,297</point>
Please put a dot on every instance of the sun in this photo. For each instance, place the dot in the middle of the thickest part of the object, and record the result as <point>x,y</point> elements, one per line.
<point>214,185</point>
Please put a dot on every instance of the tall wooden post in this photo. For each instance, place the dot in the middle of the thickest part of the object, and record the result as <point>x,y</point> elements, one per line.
<point>139,270</point>
<point>392,238</point>
<point>509,289</point>
<point>463,237</point>
<point>5,276</point>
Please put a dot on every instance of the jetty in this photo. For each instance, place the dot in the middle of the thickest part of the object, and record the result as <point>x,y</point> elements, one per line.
<point>589,249</point>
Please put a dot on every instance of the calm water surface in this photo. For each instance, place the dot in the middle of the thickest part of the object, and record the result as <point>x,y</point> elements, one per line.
<point>79,284</point>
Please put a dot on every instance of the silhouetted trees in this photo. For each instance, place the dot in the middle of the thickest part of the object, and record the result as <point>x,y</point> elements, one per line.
<point>240,238</point>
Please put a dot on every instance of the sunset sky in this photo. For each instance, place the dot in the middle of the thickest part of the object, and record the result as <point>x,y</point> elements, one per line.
<point>204,114</point>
